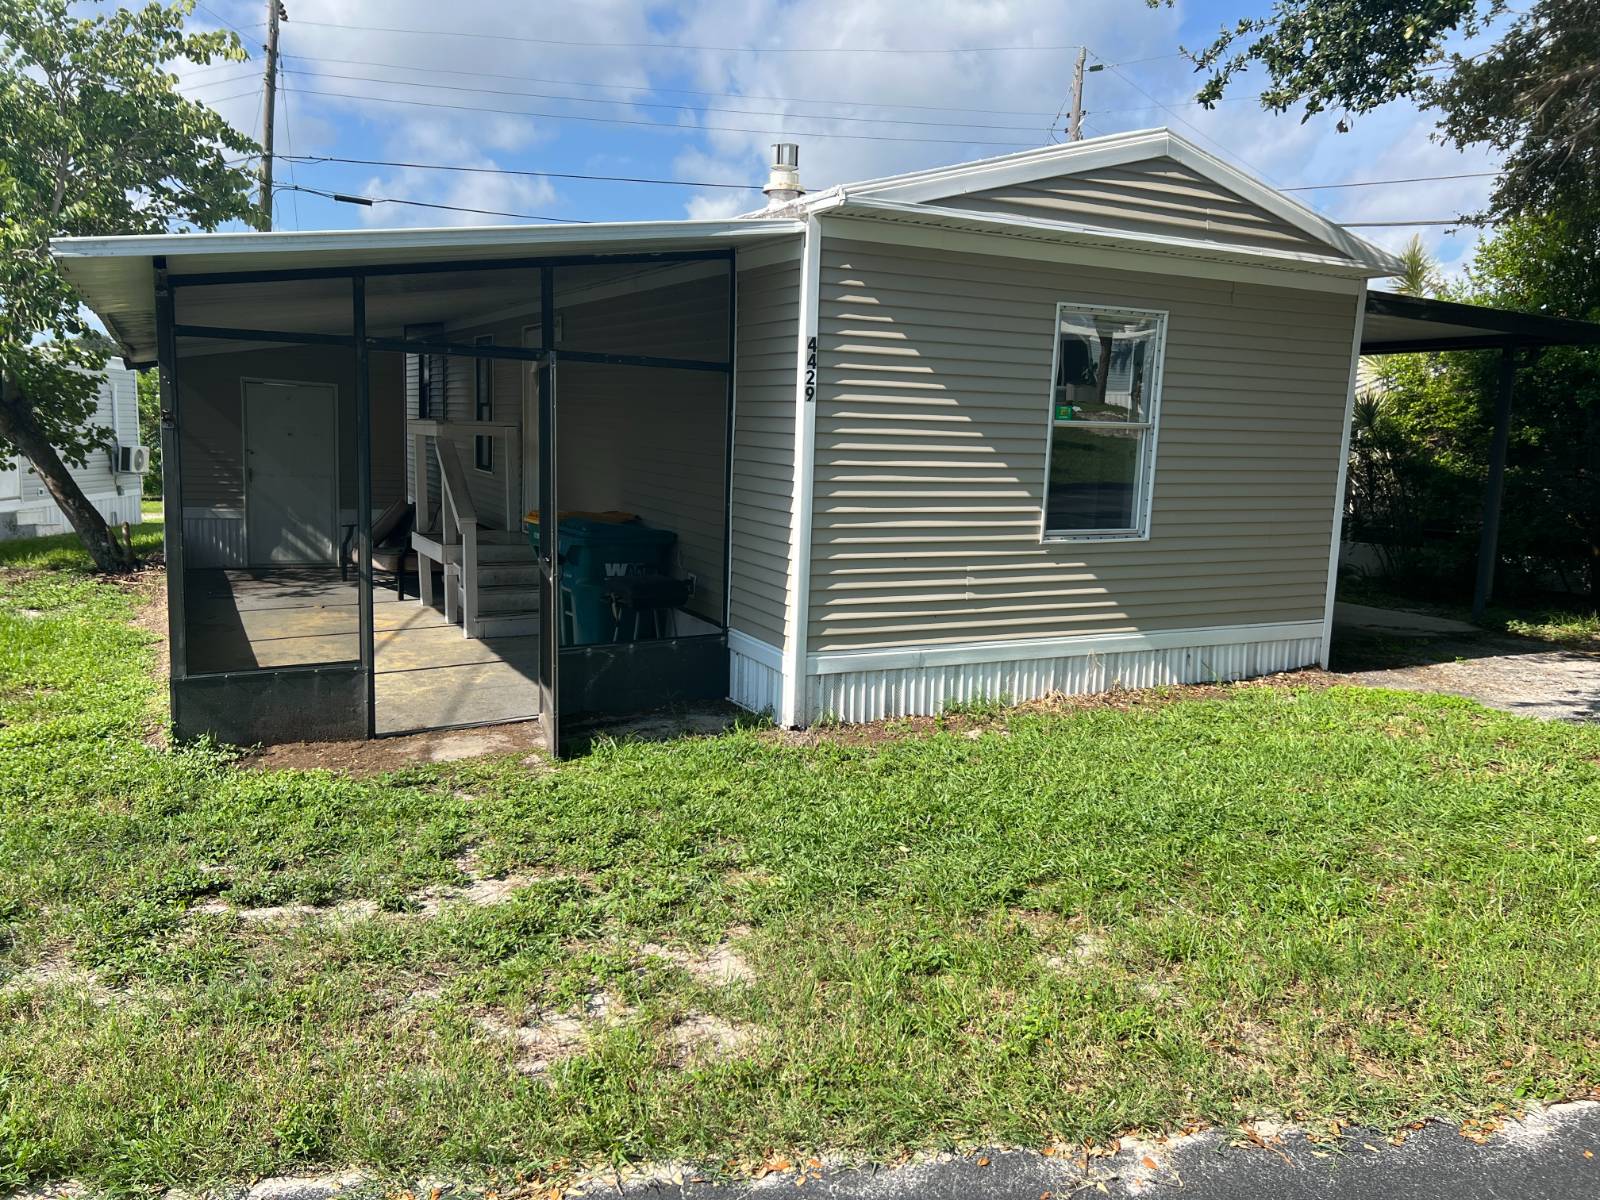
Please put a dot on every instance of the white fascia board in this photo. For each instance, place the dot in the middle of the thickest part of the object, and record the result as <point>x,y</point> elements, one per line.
<point>462,238</point>
<point>839,662</point>
<point>1067,232</point>
<point>1343,476</point>
<point>1023,167</point>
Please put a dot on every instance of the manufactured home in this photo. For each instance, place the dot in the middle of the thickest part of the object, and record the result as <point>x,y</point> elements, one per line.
<point>112,479</point>
<point>1056,421</point>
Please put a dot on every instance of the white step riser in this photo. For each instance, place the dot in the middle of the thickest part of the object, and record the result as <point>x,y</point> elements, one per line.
<point>492,553</point>
<point>508,575</point>
<point>512,600</point>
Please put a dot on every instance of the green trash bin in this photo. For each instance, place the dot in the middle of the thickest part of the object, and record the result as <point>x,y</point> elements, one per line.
<point>591,552</point>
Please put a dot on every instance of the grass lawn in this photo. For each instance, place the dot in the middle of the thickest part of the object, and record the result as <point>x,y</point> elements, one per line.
<point>1015,927</point>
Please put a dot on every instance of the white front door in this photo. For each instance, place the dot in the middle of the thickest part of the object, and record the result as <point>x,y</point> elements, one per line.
<point>290,475</point>
<point>10,479</point>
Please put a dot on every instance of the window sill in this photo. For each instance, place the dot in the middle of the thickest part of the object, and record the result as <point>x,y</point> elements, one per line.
<point>1121,535</point>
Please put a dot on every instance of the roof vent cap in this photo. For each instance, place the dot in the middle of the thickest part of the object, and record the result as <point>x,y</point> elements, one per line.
<point>783,182</point>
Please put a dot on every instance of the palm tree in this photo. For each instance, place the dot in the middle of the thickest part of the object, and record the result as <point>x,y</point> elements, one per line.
<point>1419,271</point>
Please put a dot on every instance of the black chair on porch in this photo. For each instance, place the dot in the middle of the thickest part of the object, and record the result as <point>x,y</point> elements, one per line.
<point>391,545</point>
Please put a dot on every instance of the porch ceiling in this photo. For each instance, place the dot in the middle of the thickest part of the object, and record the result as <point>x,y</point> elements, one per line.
<point>116,275</point>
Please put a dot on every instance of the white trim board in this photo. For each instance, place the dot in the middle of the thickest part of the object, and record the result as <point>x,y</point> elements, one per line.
<point>838,662</point>
<point>1344,473</point>
<point>807,383</point>
<point>1033,246</point>
<point>755,649</point>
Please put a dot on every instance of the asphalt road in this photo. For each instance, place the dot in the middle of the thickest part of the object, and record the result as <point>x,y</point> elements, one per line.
<point>1540,1159</point>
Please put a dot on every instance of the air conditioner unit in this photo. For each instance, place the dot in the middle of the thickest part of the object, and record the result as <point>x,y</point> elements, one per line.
<point>133,460</point>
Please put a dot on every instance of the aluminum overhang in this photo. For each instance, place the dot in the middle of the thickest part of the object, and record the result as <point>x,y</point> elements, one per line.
<point>1400,324</point>
<point>115,276</point>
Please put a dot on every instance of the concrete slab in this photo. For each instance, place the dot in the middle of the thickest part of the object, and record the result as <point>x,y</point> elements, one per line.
<point>1368,619</point>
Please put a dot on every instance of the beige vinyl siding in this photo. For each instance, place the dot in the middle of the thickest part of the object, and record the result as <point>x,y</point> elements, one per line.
<point>934,378</point>
<point>211,414</point>
<point>1159,196</point>
<point>764,450</point>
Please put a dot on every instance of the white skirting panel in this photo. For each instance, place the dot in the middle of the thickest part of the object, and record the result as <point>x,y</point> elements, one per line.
<point>213,538</point>
<point>755,673</point>
<point>837,692</point>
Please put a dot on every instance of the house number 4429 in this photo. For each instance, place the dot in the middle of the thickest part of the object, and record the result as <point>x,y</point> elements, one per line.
<point>811,369</point>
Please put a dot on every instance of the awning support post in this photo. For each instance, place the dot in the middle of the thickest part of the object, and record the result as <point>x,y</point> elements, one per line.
<point>1494,489</point>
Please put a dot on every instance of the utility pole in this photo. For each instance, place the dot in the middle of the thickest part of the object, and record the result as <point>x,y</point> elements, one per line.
<point>1075,129</point>
<point>269,105</point>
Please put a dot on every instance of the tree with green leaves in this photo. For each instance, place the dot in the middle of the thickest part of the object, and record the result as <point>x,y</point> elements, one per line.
<point>1420,438</point>
<point>98,141</point>
<point>1534,95</point>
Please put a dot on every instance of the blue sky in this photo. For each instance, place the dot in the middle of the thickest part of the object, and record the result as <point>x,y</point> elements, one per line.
<point>698,91</point>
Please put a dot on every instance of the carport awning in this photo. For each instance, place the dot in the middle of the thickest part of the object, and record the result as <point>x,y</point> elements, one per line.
<point>116,275</point>
<point>1397,324</point>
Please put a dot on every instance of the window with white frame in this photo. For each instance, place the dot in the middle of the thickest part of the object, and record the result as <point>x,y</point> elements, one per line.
<point>483,404</point>
<point>1104,399</point>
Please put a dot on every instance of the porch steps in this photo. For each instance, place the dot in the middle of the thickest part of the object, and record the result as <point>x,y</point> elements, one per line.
<point>508,586</point>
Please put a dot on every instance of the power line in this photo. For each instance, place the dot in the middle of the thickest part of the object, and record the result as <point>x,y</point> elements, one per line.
<point>1397,224</point>
<point>628,87</point>
<point>518,112</point>
<point>213,101</point>
<point>1177,116</point>
<point>1317,187</point>
<point>346,198</point>
<point>748,112</point>
<point>501,37</point>
<point>234,29</point>
<point>313,159</point>
<point>418,166</point>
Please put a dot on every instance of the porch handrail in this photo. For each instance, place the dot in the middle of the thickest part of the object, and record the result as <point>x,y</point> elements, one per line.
<point>459,516</point>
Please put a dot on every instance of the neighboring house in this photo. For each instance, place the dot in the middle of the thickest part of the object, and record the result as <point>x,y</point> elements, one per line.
<point>1061,420</point>
<point>111,479</point>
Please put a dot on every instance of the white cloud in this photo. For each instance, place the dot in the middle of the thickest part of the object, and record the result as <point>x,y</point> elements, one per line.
<point>856,115</point>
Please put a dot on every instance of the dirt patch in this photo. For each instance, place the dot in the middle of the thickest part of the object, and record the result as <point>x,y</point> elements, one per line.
<point>1078,950</point>
<point>58,971</point>
<point>382,755</point>
<point>287,914</point>
<point>431,901</point>
<point>551,1036</point>
<point>701,1037</point>
<point>719,966</point>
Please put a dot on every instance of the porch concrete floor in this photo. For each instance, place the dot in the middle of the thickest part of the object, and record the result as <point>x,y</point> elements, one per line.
<point>428,675</point>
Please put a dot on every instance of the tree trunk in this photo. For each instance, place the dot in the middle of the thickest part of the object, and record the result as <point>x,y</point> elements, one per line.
<point>18,427</point>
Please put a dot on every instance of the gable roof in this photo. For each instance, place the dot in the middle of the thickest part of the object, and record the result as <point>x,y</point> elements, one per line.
<point>990,187</point>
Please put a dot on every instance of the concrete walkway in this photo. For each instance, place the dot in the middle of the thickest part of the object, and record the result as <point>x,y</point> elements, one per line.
<point>1453,658</point>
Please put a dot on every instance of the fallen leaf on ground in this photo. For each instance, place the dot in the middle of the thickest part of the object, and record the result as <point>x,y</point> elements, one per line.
<point>1149,1163</point>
